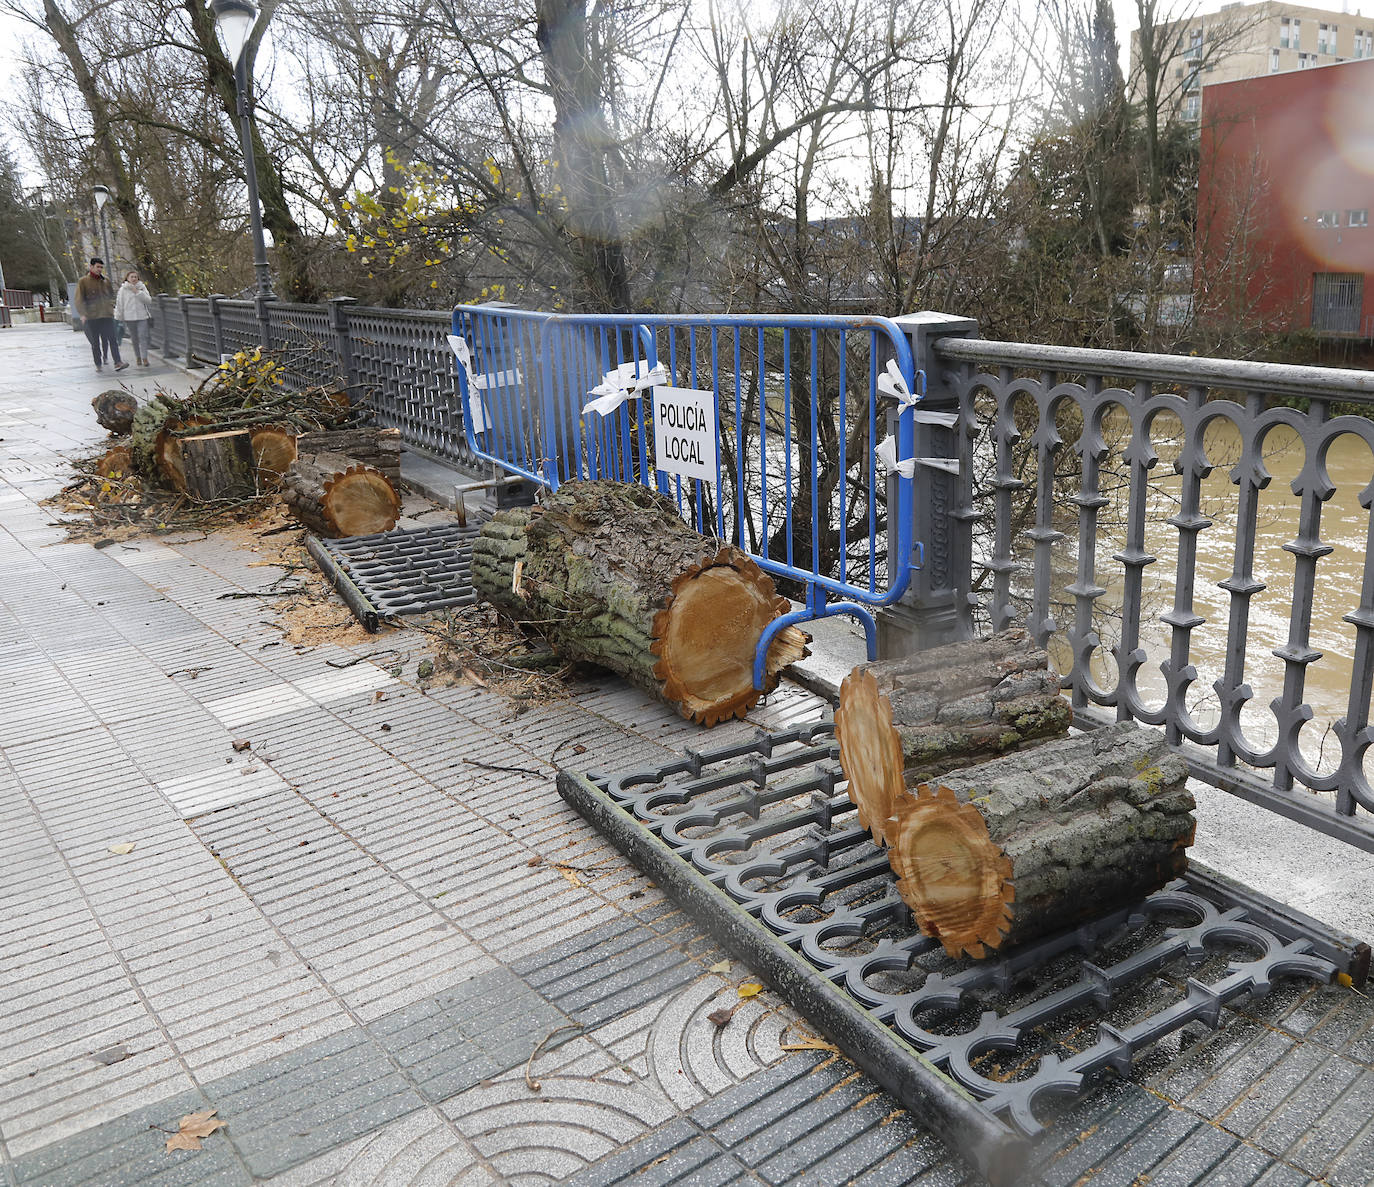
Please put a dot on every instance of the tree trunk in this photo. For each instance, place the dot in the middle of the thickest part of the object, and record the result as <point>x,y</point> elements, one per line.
<point>274,449</point>
<point>219,466</point>
<point>1039,841</point>
<point>907,719</point>
<point>335,496</point>
<point>611,575</point>
<point>372,446</point>
<point>156,451</point>
<point>114,410</point>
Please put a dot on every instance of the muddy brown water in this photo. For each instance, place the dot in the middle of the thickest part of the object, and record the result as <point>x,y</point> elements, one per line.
<point>1344,526</point>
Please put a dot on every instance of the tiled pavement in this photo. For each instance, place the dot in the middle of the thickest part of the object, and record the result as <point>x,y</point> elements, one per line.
<point>352,938</point>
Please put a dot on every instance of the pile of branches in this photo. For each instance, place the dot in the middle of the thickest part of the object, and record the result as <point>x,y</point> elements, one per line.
<point>137,484</point>
<point>246,391</point>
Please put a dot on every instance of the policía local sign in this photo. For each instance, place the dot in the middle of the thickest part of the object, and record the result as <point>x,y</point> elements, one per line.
<point>685,432</point>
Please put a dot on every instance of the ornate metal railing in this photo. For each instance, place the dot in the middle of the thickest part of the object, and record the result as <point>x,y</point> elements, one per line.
<point>398,361</point>
<point>238,326</point>
<point>1085,473</point>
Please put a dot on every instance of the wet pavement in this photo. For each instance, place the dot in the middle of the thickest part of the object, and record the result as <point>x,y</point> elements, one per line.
<point>363,939</point>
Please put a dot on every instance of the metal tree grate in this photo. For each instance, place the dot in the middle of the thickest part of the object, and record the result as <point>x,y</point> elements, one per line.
<point>400,572</point>
<point>764,826</point>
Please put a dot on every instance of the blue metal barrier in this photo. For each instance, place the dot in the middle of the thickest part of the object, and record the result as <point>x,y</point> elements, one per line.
<point>798,404</point>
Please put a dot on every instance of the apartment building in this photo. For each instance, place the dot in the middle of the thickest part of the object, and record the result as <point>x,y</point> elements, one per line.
<point>1245,41</point>
<point>1285,187</point>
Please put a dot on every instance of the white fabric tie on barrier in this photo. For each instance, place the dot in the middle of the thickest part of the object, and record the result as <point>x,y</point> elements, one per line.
<point>477,407</point>
<point>886,453</point>
<point>628,381</point>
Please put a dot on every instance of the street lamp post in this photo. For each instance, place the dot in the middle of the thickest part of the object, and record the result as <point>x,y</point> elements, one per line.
<point>234,20</point>
<point>102,195</point>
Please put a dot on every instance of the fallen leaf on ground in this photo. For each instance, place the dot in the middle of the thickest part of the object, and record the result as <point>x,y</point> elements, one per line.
<point>473,678</point>
<point>536,860</point>
<point>723,1015</point>
<point>241,744</point>
<point>720,967</point>
<point>192,1128</point>
<point>123,847</point>
<point>750,989</point>
<point>111,1054</point>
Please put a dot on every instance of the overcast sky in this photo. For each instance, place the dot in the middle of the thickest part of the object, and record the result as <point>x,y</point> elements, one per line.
<point>13,31</point>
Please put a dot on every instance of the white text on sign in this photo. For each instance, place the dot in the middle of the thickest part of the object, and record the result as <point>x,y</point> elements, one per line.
<point>685,432</point>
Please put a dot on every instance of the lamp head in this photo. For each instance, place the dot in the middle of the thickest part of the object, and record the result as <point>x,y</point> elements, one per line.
<point>102,195</point>
<point>234,19</point>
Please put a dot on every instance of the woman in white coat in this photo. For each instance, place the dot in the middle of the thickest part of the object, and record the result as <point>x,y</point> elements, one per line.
<point>134,307</point>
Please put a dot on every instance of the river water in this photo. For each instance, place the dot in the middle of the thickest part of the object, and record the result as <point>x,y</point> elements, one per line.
<point>1344,527</point>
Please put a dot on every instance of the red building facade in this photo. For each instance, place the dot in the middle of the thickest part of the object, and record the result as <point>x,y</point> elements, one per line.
<point>1285,191</point>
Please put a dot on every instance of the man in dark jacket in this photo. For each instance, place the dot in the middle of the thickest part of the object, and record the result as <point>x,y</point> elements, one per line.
<point>95,302</point>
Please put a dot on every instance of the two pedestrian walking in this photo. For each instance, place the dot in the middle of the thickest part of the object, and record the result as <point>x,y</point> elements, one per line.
<point>95,303</point>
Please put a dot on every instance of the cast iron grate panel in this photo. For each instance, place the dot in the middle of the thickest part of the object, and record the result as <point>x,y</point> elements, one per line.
<point>766,821</point>
<point>410,571</point>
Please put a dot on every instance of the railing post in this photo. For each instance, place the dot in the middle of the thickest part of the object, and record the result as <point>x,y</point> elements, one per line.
<point>216,325</point>
<point>930,612</point>
<point>261,305</point>
<point>185,302</point>
<point>338,324</point>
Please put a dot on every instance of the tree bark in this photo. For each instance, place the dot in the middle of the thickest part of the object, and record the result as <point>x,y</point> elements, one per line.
<point>219,466</point>
<point>372,446</point>
<point>611,575</point>
<point>114,410</point>
<point>907,719</point>
<point>333,495</point>
<point>1036,842</point>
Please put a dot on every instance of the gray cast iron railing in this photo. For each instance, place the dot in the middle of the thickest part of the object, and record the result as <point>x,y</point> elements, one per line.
<point>396,361</point>
<point>1061,507</point>
<point>1055,518</point>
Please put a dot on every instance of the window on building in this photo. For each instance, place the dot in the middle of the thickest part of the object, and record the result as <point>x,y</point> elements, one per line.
<point>1192,107</point>
<point>1328,218</point>
<point>1364,43</point>
<point>1191,83</point>
<point>1286,34</point>
<point>1337,298</point>
<point>1326,39</point>
<point>1194,49</point>
<point>1273,61</point>
<point>1304,61</point>
<point>1357,218</point>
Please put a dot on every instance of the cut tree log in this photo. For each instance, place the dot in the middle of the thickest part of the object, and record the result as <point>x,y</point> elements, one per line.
<point>1041,840</point>
<point>116,462</point>
<point>219,466</point>
<point>903,720</point>
<point>371,445</point>
<point>610,574</point>
<point>146,433</point>
<point>115,409</point>
<point>274,449</point>
<point>334,495</point>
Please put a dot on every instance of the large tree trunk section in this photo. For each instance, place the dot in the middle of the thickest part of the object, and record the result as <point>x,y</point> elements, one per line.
<point>906,719</point>
<point>219,466</point>
<point>1035,842</point>
<point>114,410</point>
<point>146,433</point>
<point>274,449</point>
<point>335,496</point>
<point>611,575</point>
<point>375,447</point>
